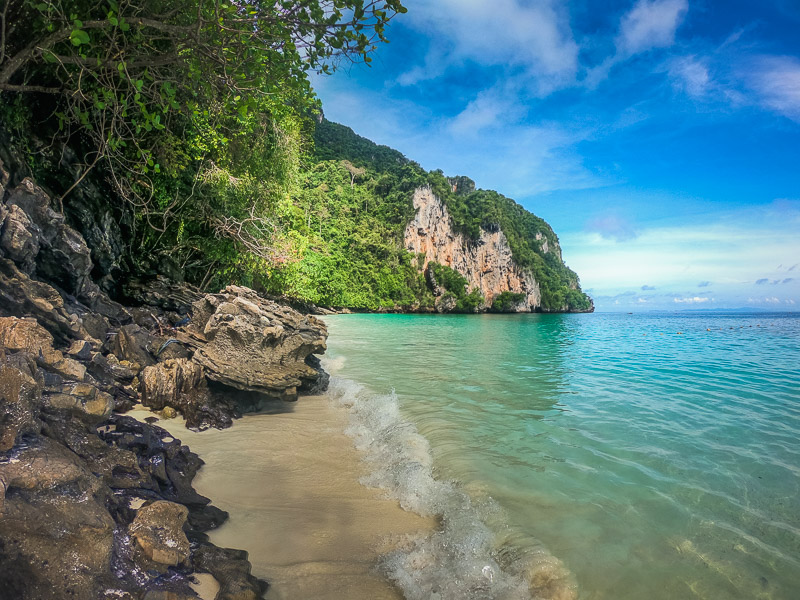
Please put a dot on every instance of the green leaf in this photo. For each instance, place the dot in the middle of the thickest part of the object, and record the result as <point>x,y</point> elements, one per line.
<point>78,37</point>
<point>113,20</point>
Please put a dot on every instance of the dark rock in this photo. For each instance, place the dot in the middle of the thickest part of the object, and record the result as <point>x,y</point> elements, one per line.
<point>107,369</point>
<point>64,257</point>
<point>134,344</point>
<point>172,349</point>
<point>19,395</point>
<point>26,335</point>
<point>89,210</point>
<point>320,384</point>
<point>99,302</point>
<point>232,570</point>
<point>206,518</point>
<point>158,531</point>
<point>22,296</point>
<point>19,238</point>
<point>172,465</point>
<point>114,378</point>
<point>117,467</point>
<point>180,384</point>
<point>53,522</point>
<point>256,345</point>
<point>82,400</point>
<point>80,350</point>
<point>163,293</point>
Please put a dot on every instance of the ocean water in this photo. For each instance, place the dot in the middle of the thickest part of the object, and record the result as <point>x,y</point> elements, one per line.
<point>600,456</point>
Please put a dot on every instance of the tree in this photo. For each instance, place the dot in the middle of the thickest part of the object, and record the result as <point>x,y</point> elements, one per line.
<point>355,172</point>
<point>129,73</point>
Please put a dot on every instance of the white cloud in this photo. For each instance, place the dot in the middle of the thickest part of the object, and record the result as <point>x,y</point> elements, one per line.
<point>491,107</point>
<point>732,250</point>
<point>650,24</point>
<point>691,75</point>
<point>776,83</point>
<point>612,227</point>
<point>503,154</point>
<point>694,300</point>
<point>533,36</point>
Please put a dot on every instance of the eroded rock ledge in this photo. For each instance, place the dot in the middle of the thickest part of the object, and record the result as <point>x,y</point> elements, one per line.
<point>93,503</point>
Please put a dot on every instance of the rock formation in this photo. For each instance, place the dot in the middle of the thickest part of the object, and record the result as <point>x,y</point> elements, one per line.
<point>94,504</point>
<point>486,263</point>
<point>257,345</point>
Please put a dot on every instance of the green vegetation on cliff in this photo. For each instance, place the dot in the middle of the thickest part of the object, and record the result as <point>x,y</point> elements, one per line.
<point>232,179</point>
<point>388,180</point>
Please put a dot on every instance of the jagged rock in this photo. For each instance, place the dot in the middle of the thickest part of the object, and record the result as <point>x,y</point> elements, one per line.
<point>26,335</point>
<point>119,468</point>
<point>172,465</point>
<point>64,258</point>
<point>256,345</point>
<point>172,349</point>
<point>99,302</point>
<point>82,399</point>
<point>108,369</point>
<point>114,378</point>
<point>22,296</point>
<point>180,384</point>
<point>19,395</point>
<point>19,238</point>
<point>163,293</point>
<point>132,343</point>
<point>232,570</point>
<point>61,544</point>
<point>158,530</point>
<point>89,211</point>
<point>80,350</point>
<point>205,518</point>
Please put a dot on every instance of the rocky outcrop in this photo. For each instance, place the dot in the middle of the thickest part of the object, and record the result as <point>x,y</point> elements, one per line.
<point>92,510</point>
<point>158,531</point>
<point>94,504</point>
<point>257,345</point>
<point>487,263</point>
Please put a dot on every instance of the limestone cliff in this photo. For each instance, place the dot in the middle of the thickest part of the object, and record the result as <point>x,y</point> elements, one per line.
<point>487,262</point>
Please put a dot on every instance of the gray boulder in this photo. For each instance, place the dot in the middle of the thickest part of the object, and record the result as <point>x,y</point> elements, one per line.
<point>256,345</point>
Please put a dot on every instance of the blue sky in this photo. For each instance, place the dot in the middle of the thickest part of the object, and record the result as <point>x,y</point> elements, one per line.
<point>659,138</point>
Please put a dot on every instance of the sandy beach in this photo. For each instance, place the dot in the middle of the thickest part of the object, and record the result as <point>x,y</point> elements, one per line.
<point>289,478</point>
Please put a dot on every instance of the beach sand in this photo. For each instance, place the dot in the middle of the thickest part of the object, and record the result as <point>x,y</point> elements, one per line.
<point>289,478</point>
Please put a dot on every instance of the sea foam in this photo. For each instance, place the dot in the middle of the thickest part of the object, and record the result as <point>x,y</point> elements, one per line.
<point>464,558</point>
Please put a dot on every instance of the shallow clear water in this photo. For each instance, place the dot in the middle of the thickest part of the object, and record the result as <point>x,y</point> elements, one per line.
<point>654,464</point>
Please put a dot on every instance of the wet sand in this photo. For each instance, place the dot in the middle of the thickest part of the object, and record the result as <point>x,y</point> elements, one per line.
<point>290,481</point>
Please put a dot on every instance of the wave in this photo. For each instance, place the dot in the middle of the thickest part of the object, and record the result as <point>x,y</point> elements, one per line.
<point>474,554</point>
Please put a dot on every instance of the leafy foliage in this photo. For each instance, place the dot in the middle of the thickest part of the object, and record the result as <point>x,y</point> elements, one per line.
<point>506,301</point>
<point>455,288</point>
<point>199,114</point>
<point>173,98</point>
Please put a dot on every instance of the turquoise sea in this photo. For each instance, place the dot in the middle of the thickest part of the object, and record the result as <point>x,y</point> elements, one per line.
<point>597,456</point>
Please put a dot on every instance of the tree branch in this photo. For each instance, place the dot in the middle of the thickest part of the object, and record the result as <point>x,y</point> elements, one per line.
<point>8,87</point>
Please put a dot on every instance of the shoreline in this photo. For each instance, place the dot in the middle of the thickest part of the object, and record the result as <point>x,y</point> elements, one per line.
<point>289,477</point>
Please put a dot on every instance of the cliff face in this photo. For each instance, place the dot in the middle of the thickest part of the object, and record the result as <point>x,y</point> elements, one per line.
<point>487,263</point>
